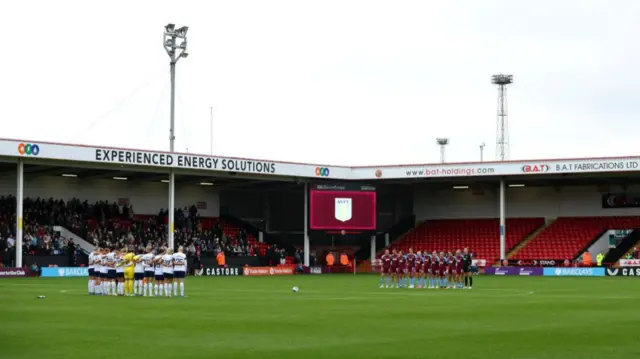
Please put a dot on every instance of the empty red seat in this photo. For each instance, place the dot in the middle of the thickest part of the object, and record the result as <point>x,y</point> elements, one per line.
<point>482,236</point>
<point>567,237</point>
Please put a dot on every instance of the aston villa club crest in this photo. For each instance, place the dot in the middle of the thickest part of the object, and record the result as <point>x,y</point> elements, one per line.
<point>343,209</point>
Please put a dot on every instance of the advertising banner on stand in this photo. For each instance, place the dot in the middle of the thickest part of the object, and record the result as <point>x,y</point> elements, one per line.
<point>267,271</point>
<point>630,263</point>
<point>524,271</point>
<point>623,272</point>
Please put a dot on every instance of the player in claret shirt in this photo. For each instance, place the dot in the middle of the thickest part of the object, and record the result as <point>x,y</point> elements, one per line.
<point>451,266</point>
<point>394,269</point>
<point>419,268</point>
<point>435,270</point>
<point>385,271</point>
<point>411,267</point>
<point>442,270</point>
<point>426,270</point>
<point>458,269</point>
<point>402,269</point>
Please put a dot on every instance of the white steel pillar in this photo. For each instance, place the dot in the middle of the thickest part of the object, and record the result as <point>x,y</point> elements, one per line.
<point>503,228</point>
<point>306,224</point>
<point>373,248</point>
<point>386,240</point>
<point>172,199</point>
<point>19,213</point>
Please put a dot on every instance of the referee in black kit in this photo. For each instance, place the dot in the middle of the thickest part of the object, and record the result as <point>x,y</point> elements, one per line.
<point>466,268</point>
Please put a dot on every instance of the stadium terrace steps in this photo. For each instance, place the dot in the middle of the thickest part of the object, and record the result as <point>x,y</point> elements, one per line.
<point>567,237</point>
<point>480,235</point>
<point>528,239</point>
<point>84,245</point>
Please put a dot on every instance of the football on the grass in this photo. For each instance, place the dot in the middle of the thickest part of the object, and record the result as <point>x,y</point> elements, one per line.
<point>295,289</point>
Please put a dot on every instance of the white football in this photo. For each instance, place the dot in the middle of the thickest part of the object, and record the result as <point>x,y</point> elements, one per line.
<point>295,289</point>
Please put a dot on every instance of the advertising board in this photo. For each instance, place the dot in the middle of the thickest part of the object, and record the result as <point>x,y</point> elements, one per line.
<point>6,272</point>
<point>59,272</point>
<point>574,272</point>
<point>267,271</point>
<point>623,272</point>
<point>510,271</point>
<point>222,271</point>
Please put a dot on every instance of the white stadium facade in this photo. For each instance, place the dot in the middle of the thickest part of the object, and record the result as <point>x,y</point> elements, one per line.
<point>520,210</point>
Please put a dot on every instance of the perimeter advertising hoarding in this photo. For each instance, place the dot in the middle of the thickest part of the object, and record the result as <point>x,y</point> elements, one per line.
<point>6,272</point>
<point>509,271</point>
<point>623,272</point>
<point>59,272</point>
<point>222,271</point>
<point>267,271</point>
<point>574,272</point>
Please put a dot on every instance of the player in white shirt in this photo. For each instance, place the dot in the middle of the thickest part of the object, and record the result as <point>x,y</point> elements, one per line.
<point>92,268</point>
<point>159,284</point>
<point>97,271</point>
<point>138,275</point>
<point>147,264</point>
<point>119,258</point>
<point>179,271</point>
<point>104,272</point>
<point>167,271</point>
<point>111,273</point>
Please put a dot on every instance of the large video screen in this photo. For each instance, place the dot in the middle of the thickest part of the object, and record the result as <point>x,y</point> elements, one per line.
<point>342,208</point>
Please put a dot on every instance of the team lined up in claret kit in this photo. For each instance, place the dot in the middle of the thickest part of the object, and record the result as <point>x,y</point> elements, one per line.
<point>424,270</point>
<point>117,272</point>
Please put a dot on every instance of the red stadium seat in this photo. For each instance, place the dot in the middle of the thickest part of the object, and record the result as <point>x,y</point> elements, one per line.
<point>567,237</point>
<point>482,236</point>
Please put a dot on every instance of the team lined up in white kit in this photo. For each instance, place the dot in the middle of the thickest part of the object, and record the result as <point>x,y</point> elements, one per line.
<point>120,273</point>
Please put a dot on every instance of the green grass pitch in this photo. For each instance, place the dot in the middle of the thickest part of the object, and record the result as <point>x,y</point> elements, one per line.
<point>333,316</point>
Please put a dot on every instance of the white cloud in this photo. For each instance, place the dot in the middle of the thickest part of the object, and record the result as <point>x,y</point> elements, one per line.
<point>344,82</point>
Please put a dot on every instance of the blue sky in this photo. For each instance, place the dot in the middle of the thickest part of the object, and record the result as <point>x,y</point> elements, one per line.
<point>340,82</point>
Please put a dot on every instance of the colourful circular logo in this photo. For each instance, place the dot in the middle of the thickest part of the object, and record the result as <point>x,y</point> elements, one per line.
<point>28,149</point>
<point>322,171</point>
<point>378,173</point>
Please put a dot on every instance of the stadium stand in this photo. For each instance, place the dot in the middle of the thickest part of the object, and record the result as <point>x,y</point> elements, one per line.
<point>480,235</point>
<point>107,223</point>
<point>568,237</point>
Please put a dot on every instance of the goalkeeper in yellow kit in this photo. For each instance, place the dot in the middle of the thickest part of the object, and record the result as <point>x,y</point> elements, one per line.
<point>129,264</point>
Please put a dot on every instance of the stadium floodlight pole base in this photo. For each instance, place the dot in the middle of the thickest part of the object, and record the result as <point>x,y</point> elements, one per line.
<point>502,220</point>
<point>306,224</point>
<point>19,213</point>
<point>170,222</point>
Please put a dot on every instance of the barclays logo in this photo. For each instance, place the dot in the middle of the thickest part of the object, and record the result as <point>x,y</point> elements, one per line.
<point>64,272</point>
<point>574,272</point>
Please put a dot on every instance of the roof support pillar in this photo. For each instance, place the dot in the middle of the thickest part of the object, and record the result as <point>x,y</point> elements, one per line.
<point>306,224</point>
<point>171,209</point>
<point>503,228</point>
<point>19,212</point>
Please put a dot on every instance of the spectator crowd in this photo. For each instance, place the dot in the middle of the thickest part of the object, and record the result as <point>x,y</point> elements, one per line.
<point>113,225</point>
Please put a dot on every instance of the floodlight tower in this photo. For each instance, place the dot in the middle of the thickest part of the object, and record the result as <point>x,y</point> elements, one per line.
<point>442,142</point>
<point>482,151</point>
<point>175,43</point>
<point>502,125</point>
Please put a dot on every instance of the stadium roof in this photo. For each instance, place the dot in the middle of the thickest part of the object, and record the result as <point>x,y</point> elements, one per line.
<point>186,164</point>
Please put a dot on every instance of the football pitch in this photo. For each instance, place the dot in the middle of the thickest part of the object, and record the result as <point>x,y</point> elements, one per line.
<point>333,316</point>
